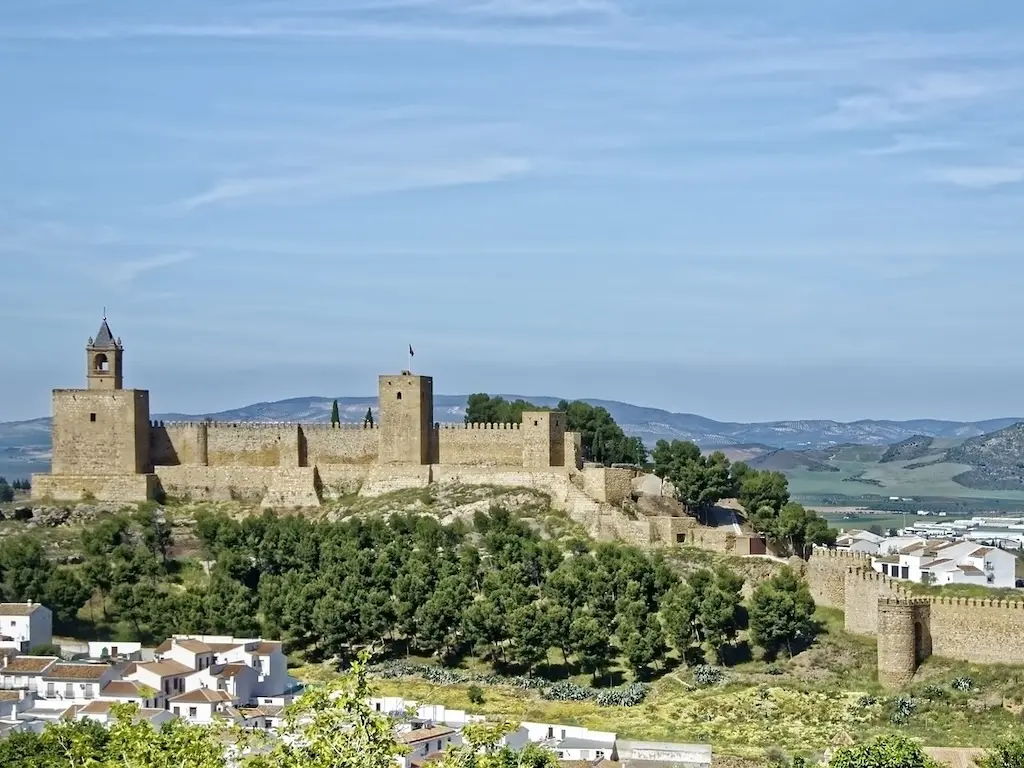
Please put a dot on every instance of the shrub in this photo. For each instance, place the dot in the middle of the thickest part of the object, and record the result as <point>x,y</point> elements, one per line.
<point>630,696</point>
<point>962,684</point>
<point>565,690</point>
<point>773,669</point>
<point>707,675</point>
<point>476,694</point>
<point>866,701</point>
<point>934,693</point>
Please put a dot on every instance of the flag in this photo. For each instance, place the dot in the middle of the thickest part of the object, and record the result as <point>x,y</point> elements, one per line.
<point>411,353</point>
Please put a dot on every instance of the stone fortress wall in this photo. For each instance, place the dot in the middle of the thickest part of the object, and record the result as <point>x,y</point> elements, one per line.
<point>105,446</point>
<point>909,627</point>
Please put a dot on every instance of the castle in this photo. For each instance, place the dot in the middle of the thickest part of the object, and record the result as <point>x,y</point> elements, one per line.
<point>106,447</point>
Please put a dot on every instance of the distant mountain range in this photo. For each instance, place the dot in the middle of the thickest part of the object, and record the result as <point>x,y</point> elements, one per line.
<point>25,445</point>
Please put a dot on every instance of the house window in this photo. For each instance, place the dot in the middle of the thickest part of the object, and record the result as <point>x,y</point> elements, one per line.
<point>426,748</point>
<point>599,754</point>
<point>378,706</point>
<point>88,691</point>
<point>439,744</point>
<point>69,690</point>
<point>92,417</point>
<point>906,572</point>
<point>536,423</point>
<point>399,396</point>
<point>561,755</point>
<point>563,733</point>
<point>551,732</point>
<point>50,692</point>
<point>177,710</point>
<point>113,650</point>
<point>584,754</point>
<point>680,538</point>
<point>191,711</point>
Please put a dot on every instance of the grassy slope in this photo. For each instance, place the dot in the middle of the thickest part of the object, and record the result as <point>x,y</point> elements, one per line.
<point>817,695</point>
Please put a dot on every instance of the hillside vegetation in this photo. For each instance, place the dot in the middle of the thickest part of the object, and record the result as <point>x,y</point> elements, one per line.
<point>997,460</point>
<point>907,450</point>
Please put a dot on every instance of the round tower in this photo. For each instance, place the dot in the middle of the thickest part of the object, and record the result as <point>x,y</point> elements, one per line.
<point>902,639</point>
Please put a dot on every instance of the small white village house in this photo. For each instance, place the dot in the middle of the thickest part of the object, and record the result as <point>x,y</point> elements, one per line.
<point>25,626</point>
<point>949,562</point>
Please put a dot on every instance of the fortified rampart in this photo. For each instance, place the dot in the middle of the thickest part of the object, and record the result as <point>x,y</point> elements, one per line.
<point>106,446</point>
<point>909,628</point>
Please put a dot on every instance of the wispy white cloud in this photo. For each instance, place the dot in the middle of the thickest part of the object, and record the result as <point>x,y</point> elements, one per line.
<point>128,271</point>
<point>909,144</point>
<point>980,176</point>
<point>354,181</point>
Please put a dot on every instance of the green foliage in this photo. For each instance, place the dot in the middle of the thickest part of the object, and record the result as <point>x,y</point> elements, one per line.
<point>481,408</point>
<point>335,414</point>
<point>6,491</point>
<point>476,694</point>
<point>704,609</point>
<point>893,751</point>
<point>760,488</point>
<point>1007,753</point>
<point>700,481</point>
<point>782,613</point>
<point>46,649</point>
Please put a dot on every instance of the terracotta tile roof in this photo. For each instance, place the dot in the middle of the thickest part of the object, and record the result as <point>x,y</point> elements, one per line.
<point>164,647</point>
<point>97,708</point>
<point>231,670</point>
<point>933,563</point>
<point>126,689</point>
<point>264,710</point>
<point>223,647</point>
<point>424,734</point>
<point>149,714</point>
<point>129,668</point>
<point>970,569</point>
<point>29,665</point>
<point>19,609</point>
<point>169,668</point>
<point>71,712</point>
<point>77,671</point>
<point>9,696</point>
<point>201,696</point>
<point>267,647</point>
<point>193,646</point>
<point>981,552</point>
<point>913,548</point>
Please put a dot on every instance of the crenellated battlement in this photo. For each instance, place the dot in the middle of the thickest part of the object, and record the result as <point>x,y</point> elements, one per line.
<point>908,602</point>
<point>354,427</point>
<point>840,554</point>
<point>460,426</point>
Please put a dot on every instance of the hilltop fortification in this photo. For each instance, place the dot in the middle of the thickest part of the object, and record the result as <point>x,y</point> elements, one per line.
<point>106,447</point>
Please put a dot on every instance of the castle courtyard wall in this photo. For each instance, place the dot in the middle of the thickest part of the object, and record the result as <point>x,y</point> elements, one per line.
<point>344,444</point>
<point>251,445</point>
<point>480,445</point>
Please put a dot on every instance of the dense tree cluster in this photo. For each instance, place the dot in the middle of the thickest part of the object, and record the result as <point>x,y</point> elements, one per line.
<point>602,439</point>
<point>7,489</point>
<point>495,589</point>
<point>701,481</point>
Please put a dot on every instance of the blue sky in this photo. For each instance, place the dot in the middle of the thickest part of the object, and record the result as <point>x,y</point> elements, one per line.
<point>742,209</point>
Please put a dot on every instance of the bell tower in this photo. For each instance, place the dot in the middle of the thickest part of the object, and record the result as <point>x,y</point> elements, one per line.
<point>104,356</point>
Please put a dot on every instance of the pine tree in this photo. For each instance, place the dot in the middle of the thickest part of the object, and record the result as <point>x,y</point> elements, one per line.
<point>335,416</point>
<point>368,421</point>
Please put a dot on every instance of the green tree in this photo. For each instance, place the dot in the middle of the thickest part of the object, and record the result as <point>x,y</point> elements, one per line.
<point>757,488</point>
<point>1007,753</point>
<point>65,594</point>
<point>591,644</point>
<point>781,612</point>
<point>335,414</point>
<point>368,419</point>
<point>6,492</point>
<point>893,751</point>
<point>699,481</point>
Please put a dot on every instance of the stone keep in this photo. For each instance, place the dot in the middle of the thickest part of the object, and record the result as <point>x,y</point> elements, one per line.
<point>100,433</point>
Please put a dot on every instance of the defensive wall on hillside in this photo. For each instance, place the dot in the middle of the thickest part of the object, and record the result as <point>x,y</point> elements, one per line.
<point>909,627</point>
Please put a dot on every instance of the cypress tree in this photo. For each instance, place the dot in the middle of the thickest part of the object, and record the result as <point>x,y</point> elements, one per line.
<point>335,416</point>
<point>368,421</point>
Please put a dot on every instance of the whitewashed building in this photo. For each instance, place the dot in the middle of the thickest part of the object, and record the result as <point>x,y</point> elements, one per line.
<point>25,626</point>
<point>855,540</point>
<point>949,562</point>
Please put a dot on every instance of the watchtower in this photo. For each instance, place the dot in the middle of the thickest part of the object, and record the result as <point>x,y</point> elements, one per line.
<point>100,433</point>
<point>406,404</point>
<point>904,638</point>
<point>104,357</point>
<point>543,439</point>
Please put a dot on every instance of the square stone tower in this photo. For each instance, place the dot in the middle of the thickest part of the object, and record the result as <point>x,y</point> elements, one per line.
<point>406,403</point>
<point>100,433</point>
<point>543,439</point>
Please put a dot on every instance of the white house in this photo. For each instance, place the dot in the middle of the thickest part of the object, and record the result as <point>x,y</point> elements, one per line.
<point>167,678</point>
<point>855,540</point>
<point>200,705</point>
<point>25,626</point>
<point>424,741</point>
<point>949,562</point>
<point>24,672</point>
<point>65,684</point>
<point>572,742</point>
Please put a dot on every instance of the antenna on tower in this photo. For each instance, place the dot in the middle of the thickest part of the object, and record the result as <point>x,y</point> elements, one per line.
<point>104,313</point>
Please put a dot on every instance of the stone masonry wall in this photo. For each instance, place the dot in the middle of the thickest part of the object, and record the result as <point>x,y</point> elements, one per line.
<point>968,629</point>
<point>608,484</point>
<point>95,431</point>
<point>251,445</point>
<point>480,445</point>
<point>115,488</point>
<point>347,444</point>
<point>826,574</point>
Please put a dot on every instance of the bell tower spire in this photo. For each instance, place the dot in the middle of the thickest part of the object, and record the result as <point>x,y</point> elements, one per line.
<point>104,356</point>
